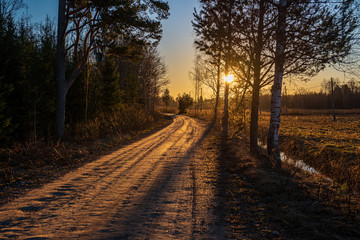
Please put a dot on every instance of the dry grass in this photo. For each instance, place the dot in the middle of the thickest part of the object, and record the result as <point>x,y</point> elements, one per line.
<point>172,110</point>
<point>131,119</point>
<point>204,114</point>
<point>286,204</point>
<point>332,148</point>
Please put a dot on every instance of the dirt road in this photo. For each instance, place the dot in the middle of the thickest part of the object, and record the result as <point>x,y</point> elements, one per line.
<point>148,190</point>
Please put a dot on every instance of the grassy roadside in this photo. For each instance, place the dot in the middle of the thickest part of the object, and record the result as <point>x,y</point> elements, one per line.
<point>332,148</point>
<point>262,203</point>
<point>27,166</point>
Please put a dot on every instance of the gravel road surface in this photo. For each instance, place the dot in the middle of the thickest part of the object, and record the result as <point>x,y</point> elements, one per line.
<point>151,189</point>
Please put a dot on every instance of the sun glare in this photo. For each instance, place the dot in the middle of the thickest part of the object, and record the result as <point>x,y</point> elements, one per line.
<point>229,78</point>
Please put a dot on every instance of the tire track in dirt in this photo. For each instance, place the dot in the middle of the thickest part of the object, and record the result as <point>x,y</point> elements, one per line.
<point>145,190</point>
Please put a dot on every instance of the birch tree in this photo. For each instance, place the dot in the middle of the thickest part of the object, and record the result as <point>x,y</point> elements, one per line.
<point>308,37</point>
<point>273,149</point>
<point>197,77</point>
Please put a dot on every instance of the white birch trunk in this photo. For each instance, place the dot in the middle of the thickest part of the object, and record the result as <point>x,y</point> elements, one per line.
<point>273,135</point>
<point>259,45</point>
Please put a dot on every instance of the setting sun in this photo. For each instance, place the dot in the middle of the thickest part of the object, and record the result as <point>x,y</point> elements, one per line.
<point>229,78</point>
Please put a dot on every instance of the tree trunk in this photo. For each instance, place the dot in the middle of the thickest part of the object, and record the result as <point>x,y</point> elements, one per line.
<point>254,116</point>
<point>273,134</point>
<point>257,80</point>
<point>61,87</point>
<point>87,94</point>
<point>217,92</point>
<point>228,40</point>
<point>226,111</point>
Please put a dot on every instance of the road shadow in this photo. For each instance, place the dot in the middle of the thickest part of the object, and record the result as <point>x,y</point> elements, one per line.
<point>142,220</point>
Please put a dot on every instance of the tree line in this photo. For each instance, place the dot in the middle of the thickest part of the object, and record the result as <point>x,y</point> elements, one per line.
<point>261,42</point>
<point>101,57</point>
<point>345,96</point>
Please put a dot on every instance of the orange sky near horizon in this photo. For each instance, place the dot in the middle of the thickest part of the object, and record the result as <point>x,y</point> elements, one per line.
<point>177,45</point>
<point>178,50</point>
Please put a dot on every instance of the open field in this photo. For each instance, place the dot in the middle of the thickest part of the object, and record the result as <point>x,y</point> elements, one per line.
<point>332,148</point>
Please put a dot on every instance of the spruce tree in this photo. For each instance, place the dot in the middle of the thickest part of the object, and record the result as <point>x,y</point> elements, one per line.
<point>111,94</point>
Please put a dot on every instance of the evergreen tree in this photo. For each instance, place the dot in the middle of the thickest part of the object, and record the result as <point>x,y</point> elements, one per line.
<point>26,88</point>
<point>166,98</point>
<point>46,78</point>
<point>111,94</point>
<point>6,126</point>
<point>185,101</point>
<point>9,73</point>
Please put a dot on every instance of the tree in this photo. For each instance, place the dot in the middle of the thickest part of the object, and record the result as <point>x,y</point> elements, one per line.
<point>27,53</point>
<point>166,98</point>
<point>197,77</point>
<point>240,28</point>
<point>110,98</point>
<point>208,28</point>
<point>10,74</point>
<point>46,95</point>
<point>272,141</point>
<point>324,36</point>
<point>152,77</point>
<point>5,118</point>
<point>312,41</point>
<point>185,101</point>
<point>84,26</point>
<point>9,7</point>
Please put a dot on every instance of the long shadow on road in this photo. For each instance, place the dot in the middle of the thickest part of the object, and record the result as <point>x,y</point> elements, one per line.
<point>179,204</point>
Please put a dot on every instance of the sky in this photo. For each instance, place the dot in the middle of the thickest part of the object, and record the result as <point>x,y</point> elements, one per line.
<point>176,45</point>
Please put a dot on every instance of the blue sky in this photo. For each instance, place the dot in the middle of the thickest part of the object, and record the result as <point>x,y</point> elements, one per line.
<point>38,9</point>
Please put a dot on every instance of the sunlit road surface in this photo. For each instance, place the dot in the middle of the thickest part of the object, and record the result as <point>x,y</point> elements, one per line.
<point>146,190</point>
